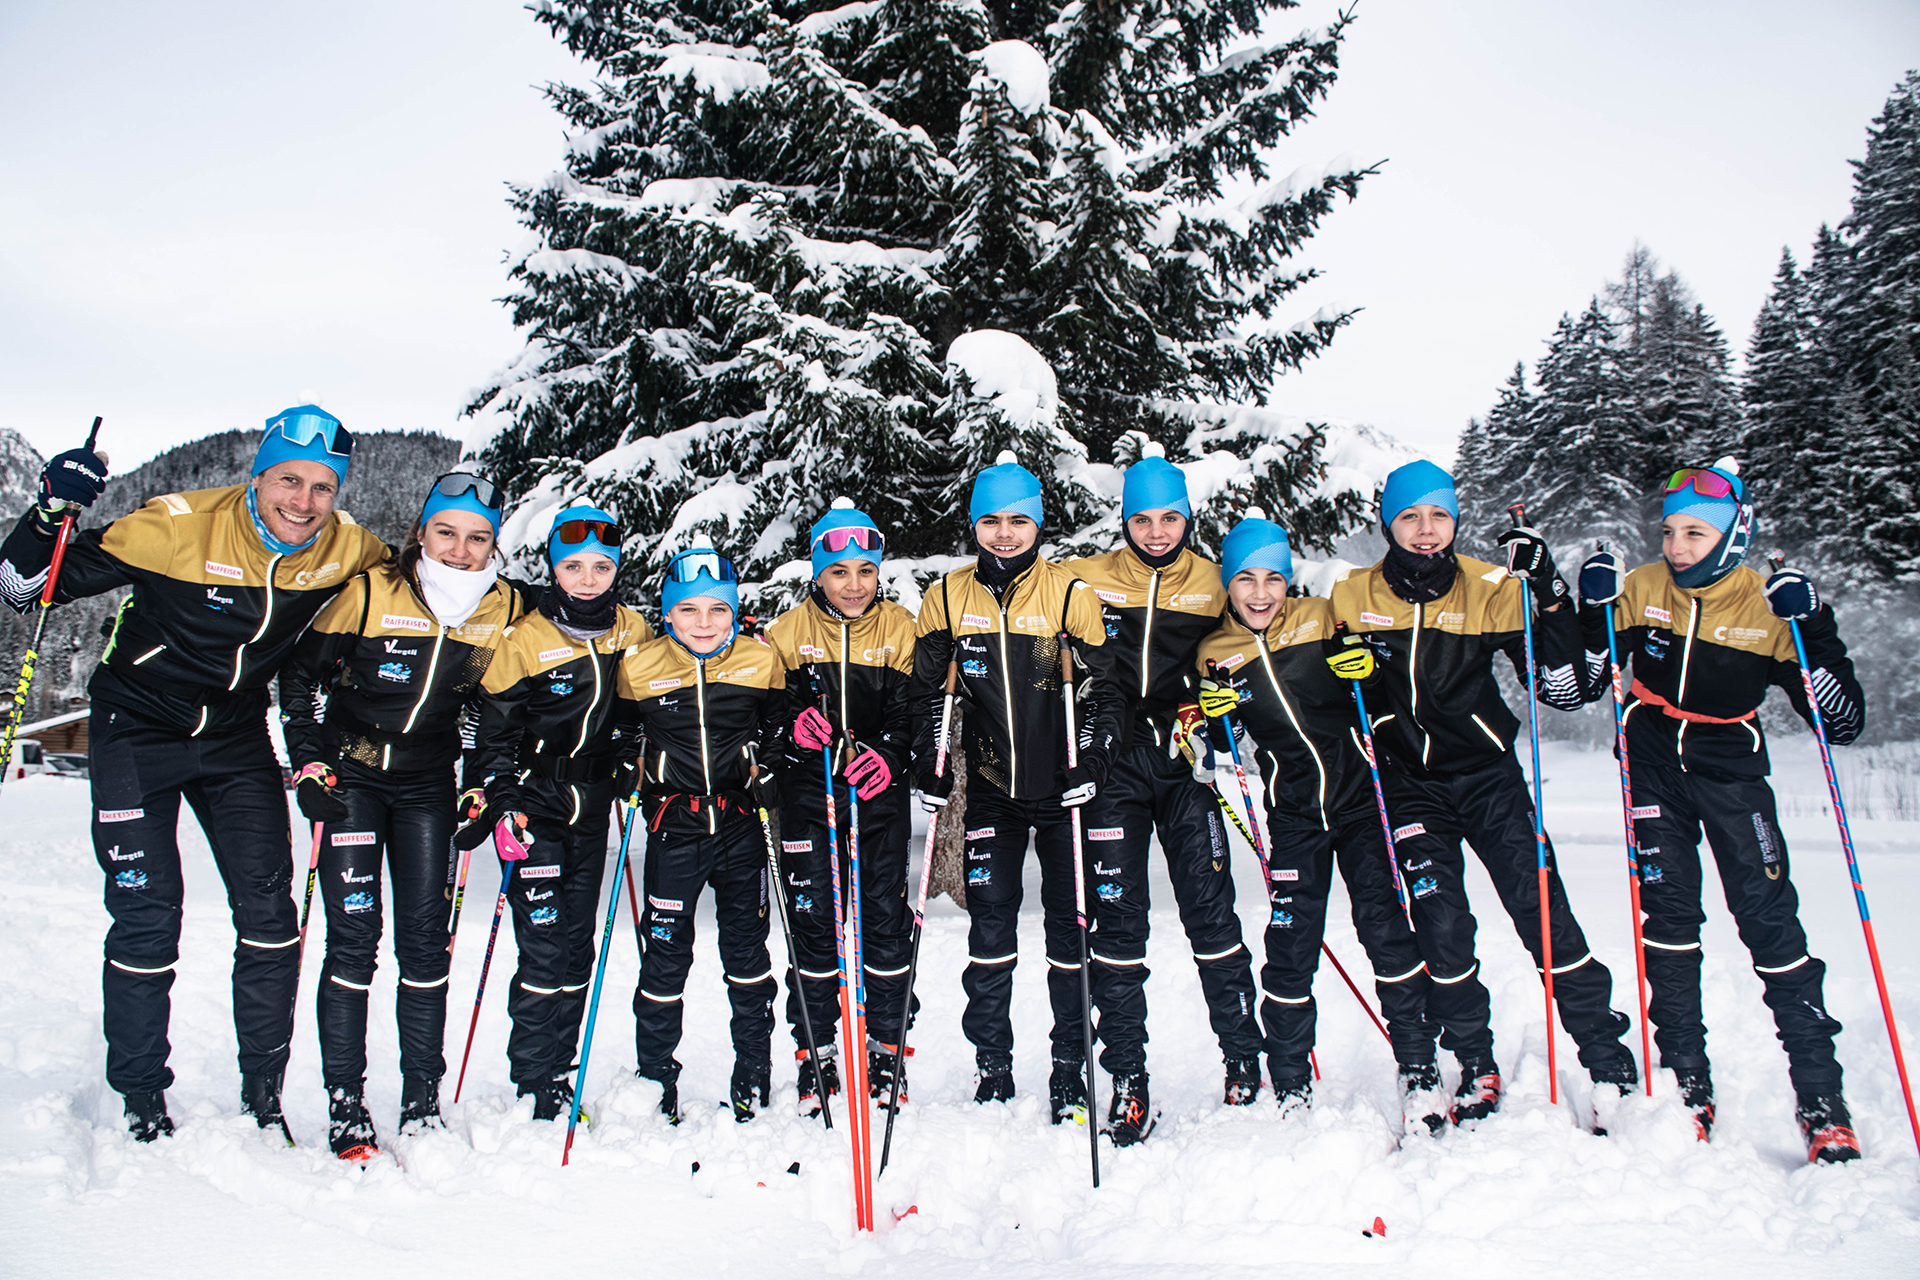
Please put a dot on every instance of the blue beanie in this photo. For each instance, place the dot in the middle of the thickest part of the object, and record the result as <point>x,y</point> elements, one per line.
<point>558,551</point>
<point>841,515</point>
<point>703,584</point>
<point>467,501</point>
<point>1256,543</point>
<point>1154,484</point>
<point>1005,487</point>
<point>1417,484</point>
<point>1719,512</point>
<point>305,433</point>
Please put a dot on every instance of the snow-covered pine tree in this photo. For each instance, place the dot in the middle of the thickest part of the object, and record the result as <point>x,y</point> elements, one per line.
<point>741,292</point>
<point>1786,402</point>
<point>1492,459</point>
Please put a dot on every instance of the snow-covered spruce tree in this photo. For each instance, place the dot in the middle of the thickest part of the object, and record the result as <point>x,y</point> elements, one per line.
<point>742,293</point>
<point>1492,460</point>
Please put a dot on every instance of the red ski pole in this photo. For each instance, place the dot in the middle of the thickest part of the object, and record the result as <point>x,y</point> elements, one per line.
<point>486,963</point>
<point>1633,844</point>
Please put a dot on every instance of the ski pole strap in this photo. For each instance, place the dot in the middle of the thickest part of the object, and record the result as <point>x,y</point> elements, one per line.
<point>1648,696</point>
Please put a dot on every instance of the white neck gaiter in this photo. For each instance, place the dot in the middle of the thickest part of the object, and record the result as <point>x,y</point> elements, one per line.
<point>454,594</point>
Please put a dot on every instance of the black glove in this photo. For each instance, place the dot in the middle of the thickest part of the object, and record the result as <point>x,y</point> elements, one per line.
<point>1531,560</point>
<point>626,778</point>
<point>934,791</point>
<point>1081,787</point>
<point>1791,594</point>
<point>760,786</point>
<point>472,823</point>
<point>1602,579</point>
<point>314,790</point>
<point>78,475</point>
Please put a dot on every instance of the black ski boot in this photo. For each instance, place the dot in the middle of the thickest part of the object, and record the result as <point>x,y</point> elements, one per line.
<point>552,1098</point>
<point>147,1116</point>
<point>1293,1098</point>
<point>349,1128</point>
<point>749,1078</point>
<point>811,1082</point>
<point>260,1098</point>
<point>993,1083</point>
<point>880,1060</point>
<point>419,1105</point>
<point>1696,1095</point>
<point>1243,1081</point>
<point>1479,1093</point>
<point>1067,1092</point>
<point>1424,1106</point>
<point>1612,1086</point>
<point>668,1078</point>
<point>1827,1127</point>
<point>1130,1116</point>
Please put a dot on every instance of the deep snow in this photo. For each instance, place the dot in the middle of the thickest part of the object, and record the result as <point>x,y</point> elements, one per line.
<point>1214,1192</point>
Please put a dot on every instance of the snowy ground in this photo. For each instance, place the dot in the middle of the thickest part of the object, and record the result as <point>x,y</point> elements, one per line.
<point>1214,1192</point>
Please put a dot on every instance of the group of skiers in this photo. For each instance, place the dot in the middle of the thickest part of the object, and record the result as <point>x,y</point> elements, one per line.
<point>431,704</point>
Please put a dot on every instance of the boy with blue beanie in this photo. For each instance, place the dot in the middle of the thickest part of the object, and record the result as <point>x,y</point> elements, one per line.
<point>1158,600</point>
<point>1432,623</point>
<point>1002,620</point>
<point>1705,638</point>
<point>224,582</point>
<point>1264,668</point>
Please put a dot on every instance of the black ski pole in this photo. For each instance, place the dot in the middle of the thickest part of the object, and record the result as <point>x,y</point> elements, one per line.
<point>1080,905</point>
<point>786,931</point>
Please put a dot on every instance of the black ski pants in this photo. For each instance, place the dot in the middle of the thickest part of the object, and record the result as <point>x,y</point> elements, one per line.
<point>1491,807</point>
<point>997,830</point>
<point>1743,830</point>
<point>1427,978</point>
<point>406,821</point>
<point>1145,792</point>
<point>555,897</point>
<point>680,863</point>
<point>140,772</point>
<point>886,918</point>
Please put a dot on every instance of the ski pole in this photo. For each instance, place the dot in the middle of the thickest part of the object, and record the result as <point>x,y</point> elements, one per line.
<point>1853,864</point>
<point>25,684</point>
<point>919,918</point>
<point>1380,796</point>
<point>1633,842</point>
<point>459,896</point>
<point>600,974</point>
<point>1519,513</point>
<point>313,873</point>
<point>486,963</point>
<point>860,1119</point>
<point>1080,904</point>
<point>633,900</point>
<point>786,931</point>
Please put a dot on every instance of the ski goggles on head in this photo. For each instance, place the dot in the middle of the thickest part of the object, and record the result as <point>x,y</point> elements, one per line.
<point>458,483</point>
<point>304,428</point>
<point>860,536</point>
<point>1706,482</point>
<point>689,565</point>
<point>572,533</point>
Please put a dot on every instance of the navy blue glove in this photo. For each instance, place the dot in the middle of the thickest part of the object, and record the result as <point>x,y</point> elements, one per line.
<point>1791,594</point>
<point>1602,579</point>
<point>78,475</point>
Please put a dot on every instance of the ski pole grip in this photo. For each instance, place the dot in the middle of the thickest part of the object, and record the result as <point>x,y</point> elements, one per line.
<point>94,433</point>
<point>953,677</point>
<point>1777,558</point>
<point>1519,513</point>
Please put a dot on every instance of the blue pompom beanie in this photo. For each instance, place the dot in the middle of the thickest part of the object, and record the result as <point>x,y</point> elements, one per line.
<point>1416,484</point>
<point>841,515</point>
<point>557,551</point>
<point>1256,543</point>
<point>1005,488</point>
<point>327,441</point>
<point>1719,512</point>
<point>1154,484</point>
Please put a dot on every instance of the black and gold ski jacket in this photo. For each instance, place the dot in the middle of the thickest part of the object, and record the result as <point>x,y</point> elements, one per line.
<point>698,716</point>
<point>396,679</point>
<point>1301,716</point>
<point>1701,663</point>
<point>1155,621</point>
<point>1437,705</point>
<point>1015,726</point>
<point>213,613</point>
<point>547,704</point>
<point>862,666</point>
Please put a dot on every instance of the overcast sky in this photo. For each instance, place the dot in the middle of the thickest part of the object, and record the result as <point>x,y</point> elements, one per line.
<point>211,209</point>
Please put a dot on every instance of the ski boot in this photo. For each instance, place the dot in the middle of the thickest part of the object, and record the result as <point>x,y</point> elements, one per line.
<point>1130,1117</point>
<point>1243,1081</point>
<point>1612,1086</point>
<point>810,1082</point>
<point>1293,1098</point>
<point>552,1098</point>
<point>667,1076</point>
<point>1696,1094</point>
<point>419,1105</point>
<point>749,1078</point>
<point>1827,1127</point>
<point>1067,1092</point>
<point>260,1098</point>
<point>880,1060</point>
<point>1479,1093</point>
<point>349,1127</point>
<point>147,1116</point>
<point>1424,1107</point>
<point>993,1083</point>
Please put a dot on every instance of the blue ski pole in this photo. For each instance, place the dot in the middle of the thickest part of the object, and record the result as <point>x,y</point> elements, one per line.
<point>600,973</point>
<point>1519,513</point>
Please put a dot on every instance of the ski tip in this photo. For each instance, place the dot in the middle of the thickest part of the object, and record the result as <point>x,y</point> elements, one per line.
<point>901,1215</point>
<point>794,1168</point>
<point>1379,1230</point>
<point>695,1169</point>
<point>361,1155</point>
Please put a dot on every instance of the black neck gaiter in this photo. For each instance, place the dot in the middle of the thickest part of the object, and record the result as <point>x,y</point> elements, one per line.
<point>1419,579</point>
<point>589,617</point>
<point>1153,561</point>
<point>999,574</point>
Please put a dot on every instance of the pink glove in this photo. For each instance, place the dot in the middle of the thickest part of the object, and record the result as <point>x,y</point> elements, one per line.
<point>868,774</point>
<point>811,730</point>
<point>511,839</point>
